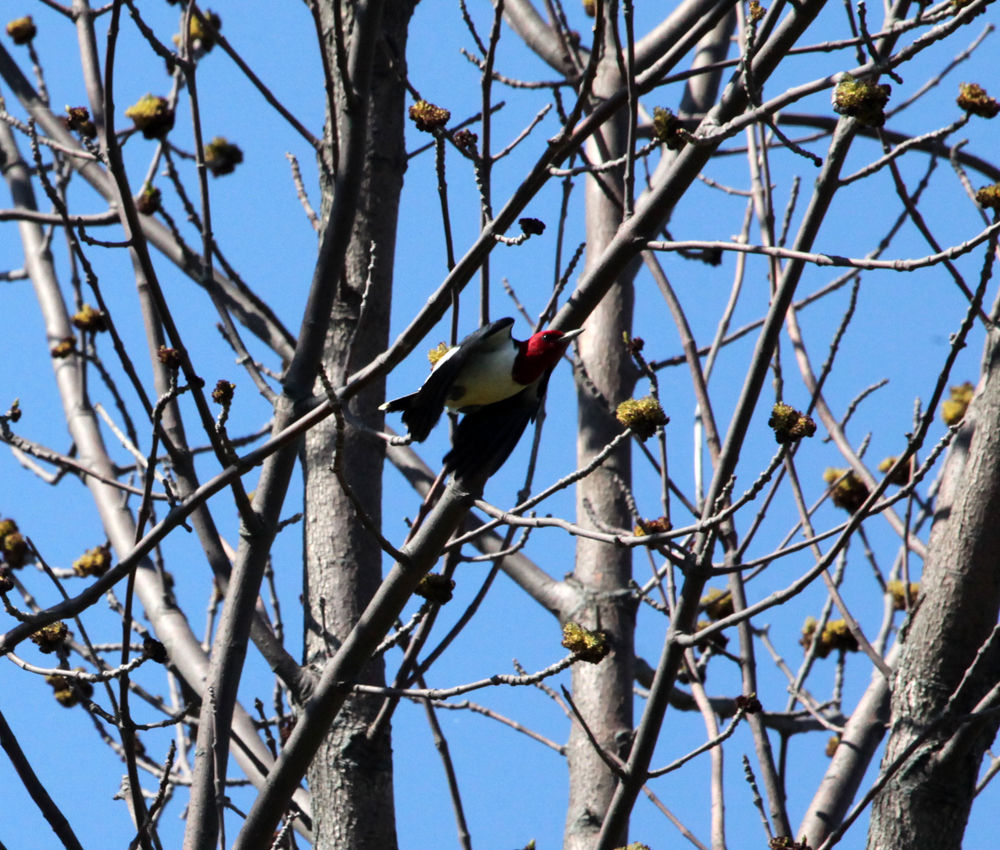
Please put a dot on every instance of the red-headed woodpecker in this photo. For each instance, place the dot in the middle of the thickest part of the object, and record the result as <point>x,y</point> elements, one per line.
<point>497,381</point>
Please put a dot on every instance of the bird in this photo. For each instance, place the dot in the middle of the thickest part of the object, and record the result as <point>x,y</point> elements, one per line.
<point>496,381</point>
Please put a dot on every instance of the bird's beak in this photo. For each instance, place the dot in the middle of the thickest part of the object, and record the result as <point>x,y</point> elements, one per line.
<point>571,335</point>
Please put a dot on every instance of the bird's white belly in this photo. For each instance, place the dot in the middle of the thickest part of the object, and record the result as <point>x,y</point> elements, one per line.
<point>484,380</point>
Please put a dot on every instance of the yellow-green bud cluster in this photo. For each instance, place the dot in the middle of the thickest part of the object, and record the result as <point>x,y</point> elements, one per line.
<point>953,409</point>
<point>717,603</point>
<point>786,842</point>
<point>78,119</point>
<point>13,545</point>
<point>69,690</point>
<point>64,348</point>
<point>88,318</point>
<point>790,425</point>
<point>22,30</point>
<point>465,141</point>
<point>718,639</point>
<point>665,127</point>
<point>435,588</point>
<point>989,197</point>
<point>203,37</point>
<point>429,117</point>
<point>901,477</point>
<point>897,589</point>
<point>861,99</point>
<point>652,526</point>
<point>49,638</point>
<point>835,636</point>
<point>169,357</point>
<point>847,490</point>
<point>94,562</point>
<point>223,393</point>
<point>643,416</point>
<point>148,200</point>
<point>590,646</point>
<point>973,98</point>
<point>435,354</point>
<point>222,156</point>
<point>152,116</point>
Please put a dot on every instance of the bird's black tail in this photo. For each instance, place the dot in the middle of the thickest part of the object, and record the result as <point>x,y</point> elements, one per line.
<point>397,404</point>
<point>419,417</point>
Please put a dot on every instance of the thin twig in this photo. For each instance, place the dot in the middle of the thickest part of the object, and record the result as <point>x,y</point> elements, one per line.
<point>708,745</point>
<point>830,259</point>
<point>458,690</point>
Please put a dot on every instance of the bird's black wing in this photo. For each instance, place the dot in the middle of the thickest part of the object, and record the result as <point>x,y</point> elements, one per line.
<point>485,438</point>
<point>424,408</point>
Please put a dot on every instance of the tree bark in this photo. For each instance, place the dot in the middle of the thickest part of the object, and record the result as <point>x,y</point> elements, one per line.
<point>859,742</point>
<point>926,803</point>
<point>351,779</point>
<point>603,692</point>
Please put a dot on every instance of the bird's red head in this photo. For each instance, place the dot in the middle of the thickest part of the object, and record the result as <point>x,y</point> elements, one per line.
<point>540,353</point>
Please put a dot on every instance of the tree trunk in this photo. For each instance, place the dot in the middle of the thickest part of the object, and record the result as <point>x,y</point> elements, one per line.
<point>603,692</point>
<point>351,780</point>
<point>926,803</point>
<point>861,737</point>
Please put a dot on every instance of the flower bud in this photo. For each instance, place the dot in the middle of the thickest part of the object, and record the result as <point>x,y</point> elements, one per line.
<point>49,638</point>
<point>532,226</point>
<point>428,117</point>
<point>435,588</point>
<point>222,157</point>
<point>643,416</point>
<point>665,127</point>
<point>861,99</point>
<point>973,99</point>
<point>152,116</point>
<point>89,319</point>
<point>79,120</point>
<point>953,410</point>
<point>94,562</point>
<point>148,200</point>
<point>22,30</point>
<point>849,492</point>
<point>435,354</point>
<point>592,647</point>
<point>789,424</point>
<point>223,393</point>
<point>717,603</point>
<point>989,197</point>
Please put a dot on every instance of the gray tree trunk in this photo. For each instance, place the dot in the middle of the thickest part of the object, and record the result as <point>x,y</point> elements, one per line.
<point>603,692</point>
<point>351,779</point>
<point>926,804</point>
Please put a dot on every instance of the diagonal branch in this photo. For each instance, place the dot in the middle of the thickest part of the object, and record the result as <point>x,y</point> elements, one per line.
<point>52,813</point>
